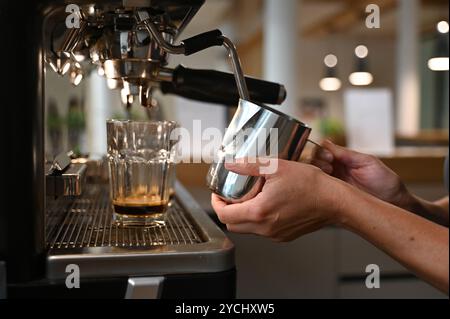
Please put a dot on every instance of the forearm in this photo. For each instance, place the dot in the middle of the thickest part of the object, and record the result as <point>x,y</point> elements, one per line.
<point>420,245</point>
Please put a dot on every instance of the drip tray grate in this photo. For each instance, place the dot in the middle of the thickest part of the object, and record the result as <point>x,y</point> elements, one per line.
<point>87,222</point>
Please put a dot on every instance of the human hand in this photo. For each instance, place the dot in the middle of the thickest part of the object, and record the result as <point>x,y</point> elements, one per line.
<point>297,199</point>
<point>363,171</point>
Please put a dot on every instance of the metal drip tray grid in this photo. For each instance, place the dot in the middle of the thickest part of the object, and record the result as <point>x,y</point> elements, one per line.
<point>87,222</point>
<point>81,231</point>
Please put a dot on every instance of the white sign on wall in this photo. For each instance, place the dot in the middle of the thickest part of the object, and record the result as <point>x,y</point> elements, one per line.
<point>369,120</point>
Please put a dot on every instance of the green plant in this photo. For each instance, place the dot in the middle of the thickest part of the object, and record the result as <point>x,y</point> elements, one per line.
<point>54,122</point>
<point>331,127</point>
<point>75,120</point>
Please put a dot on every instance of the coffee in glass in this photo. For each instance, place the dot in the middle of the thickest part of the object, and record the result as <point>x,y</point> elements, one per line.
<point>141,157</point>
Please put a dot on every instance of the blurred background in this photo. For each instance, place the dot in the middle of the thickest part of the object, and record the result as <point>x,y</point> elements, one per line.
<point>372,75</point>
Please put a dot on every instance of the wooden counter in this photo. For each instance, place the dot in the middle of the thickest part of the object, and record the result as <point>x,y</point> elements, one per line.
<point>413,164</point>
<point>418,164</point>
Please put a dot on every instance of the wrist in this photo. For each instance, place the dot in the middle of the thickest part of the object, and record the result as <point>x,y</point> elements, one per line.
<point>349,205</point>
<point>341,201</point>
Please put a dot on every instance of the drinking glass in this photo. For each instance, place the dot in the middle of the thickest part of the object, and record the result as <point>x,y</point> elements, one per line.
<point>141,157</point>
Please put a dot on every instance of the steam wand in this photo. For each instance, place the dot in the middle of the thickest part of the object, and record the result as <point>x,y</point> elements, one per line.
<point>199,43</point>
<point>237,68</point>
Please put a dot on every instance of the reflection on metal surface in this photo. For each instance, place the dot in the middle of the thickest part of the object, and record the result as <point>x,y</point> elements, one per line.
<point>81,232</point>
<point>87,222</point>
<point>263,128</point>
<point>69,182</point>
<point>144,288</point>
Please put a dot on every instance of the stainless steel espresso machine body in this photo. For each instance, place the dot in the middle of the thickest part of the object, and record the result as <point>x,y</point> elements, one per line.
<point>50,219</point>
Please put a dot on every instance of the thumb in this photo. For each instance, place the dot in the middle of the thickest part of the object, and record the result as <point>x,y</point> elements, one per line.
<point>253,166</point>
<point>346,156</point>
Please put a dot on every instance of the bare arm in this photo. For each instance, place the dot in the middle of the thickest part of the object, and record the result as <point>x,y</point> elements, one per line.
<point>420,245</point>
<point>370,175</point>
<point>277,213</point>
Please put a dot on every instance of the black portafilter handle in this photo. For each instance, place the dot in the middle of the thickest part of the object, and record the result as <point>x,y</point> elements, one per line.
<point>220,87</point>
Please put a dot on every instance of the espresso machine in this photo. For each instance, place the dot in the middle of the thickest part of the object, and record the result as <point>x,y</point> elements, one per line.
<point>56,214</point>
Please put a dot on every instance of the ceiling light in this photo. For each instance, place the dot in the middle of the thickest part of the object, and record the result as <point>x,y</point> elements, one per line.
<point>330,60</point>
<point>361,78</point>
<point>438,64</point>
<point>439,60</point>
<point>361,51</point>
<point>330,84</point>
<point>442,27</point>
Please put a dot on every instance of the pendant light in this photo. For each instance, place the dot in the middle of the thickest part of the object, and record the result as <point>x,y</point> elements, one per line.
<point>440,61</point>
<point>330,82</point>
<point>361,76</point>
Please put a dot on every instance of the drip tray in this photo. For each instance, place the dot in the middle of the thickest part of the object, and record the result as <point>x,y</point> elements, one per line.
<point>87,222</point>
<point>81,232</point>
